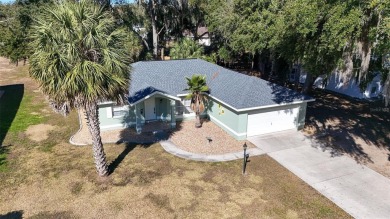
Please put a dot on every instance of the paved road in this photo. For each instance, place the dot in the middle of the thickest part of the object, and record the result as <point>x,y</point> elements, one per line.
<point>360,191</point>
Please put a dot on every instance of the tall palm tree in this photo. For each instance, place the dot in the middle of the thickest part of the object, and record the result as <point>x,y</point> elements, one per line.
<point>80,58</point>
<point>197,87</point>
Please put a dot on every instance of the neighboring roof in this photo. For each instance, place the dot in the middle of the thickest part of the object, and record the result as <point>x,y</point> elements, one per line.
<point>237,90</point>
<point>203,31</point>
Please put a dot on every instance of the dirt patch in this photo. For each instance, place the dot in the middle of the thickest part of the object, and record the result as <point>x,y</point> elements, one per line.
<point>5,65</point>
<point>39,132</point>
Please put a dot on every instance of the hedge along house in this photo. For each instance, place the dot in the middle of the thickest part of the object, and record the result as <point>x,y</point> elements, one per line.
<point>241,105</point>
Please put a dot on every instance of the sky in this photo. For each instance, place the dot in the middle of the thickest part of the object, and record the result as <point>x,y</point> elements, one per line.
<point>6,1</point>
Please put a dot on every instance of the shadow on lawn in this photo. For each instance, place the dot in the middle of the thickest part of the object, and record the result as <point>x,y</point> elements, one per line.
<point>129,147</point>
<point>9,105</point>
<point>12,215</point>
<point>152,132</point>
<point>336,122</point>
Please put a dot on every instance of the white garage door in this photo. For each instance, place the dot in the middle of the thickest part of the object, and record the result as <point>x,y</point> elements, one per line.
<point>267,122</point>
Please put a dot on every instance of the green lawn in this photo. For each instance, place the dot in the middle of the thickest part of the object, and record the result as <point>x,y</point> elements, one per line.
<point>16,113</point>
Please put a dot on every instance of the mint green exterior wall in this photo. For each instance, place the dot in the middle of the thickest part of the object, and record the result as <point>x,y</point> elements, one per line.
<point>127,120</point>
<point>233,123</point>
<point>108,123</point>
<point>135,115</point>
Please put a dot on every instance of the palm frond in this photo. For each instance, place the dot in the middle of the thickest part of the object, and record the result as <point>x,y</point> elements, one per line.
<point>79,55</point>
<point>197,85</point>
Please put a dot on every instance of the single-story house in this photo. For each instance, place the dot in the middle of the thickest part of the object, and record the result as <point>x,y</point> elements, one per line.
<point>242,105</point>
<point>351,88</point>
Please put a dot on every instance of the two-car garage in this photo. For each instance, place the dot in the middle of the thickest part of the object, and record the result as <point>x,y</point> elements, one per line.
<point>272,120</point>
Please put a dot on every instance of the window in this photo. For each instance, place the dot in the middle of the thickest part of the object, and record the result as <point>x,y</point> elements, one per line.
<point>118,111</point>
<point>183,107</point>
<point>179,108</point>
<point>373,90</point>
<point>292,74</point>
<point>187,105</point>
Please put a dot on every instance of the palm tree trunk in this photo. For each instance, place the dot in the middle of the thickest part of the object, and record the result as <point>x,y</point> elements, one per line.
<point>92,113</point>
<point>197,123</point>
<point>197,113</point>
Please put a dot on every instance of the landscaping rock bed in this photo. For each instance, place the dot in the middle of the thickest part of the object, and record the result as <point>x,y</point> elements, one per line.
<point>196,140</point>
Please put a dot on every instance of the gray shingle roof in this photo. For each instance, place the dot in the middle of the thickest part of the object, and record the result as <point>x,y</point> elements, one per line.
<point>238,90</point>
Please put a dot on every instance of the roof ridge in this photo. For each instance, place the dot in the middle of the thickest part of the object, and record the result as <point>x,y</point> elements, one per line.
<point>236,89</point>
<point>168,60</point>
<point>246,90</point>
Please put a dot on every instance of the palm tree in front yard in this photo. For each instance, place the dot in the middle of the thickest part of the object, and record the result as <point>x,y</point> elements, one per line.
<point>197,87</point>
<point>80,58</point>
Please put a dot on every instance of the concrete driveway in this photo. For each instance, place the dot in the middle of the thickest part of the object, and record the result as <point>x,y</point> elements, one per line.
<point>360,191</point>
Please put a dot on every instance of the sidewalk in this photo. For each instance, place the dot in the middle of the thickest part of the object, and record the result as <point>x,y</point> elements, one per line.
<point>360,191</point>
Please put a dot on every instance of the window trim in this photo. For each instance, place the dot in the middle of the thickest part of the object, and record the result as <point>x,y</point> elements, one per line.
<point>122,109</point>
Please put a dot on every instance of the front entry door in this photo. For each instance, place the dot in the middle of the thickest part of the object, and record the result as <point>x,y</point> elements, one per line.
<point>150,109</point>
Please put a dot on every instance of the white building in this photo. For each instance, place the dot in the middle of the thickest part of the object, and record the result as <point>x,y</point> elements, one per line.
<point>335,83</point>
<point>202,33</point>
<point>350,88</point>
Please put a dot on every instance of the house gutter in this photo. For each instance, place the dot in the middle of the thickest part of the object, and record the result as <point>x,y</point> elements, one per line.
<point>152,94</point>
<point>254,108</point>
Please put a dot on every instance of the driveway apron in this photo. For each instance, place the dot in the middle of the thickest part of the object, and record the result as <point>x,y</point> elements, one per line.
<point>360,191</point>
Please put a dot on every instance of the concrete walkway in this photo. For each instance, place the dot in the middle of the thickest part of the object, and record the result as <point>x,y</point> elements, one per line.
<point>173,149</point>
<point>360,191</point>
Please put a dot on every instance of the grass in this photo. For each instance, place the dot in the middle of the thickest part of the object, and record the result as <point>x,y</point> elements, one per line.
<point>24,117</point>
<point>3,159</point>
<point>151,183</point>
<point>53,179</point>
<point>16,108</point>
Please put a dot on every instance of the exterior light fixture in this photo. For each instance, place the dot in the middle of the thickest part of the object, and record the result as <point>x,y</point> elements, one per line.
<point>245,158</point>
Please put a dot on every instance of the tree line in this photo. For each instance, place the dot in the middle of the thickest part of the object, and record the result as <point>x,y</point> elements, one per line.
<point>80,51</point>
<point>350,37</point>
